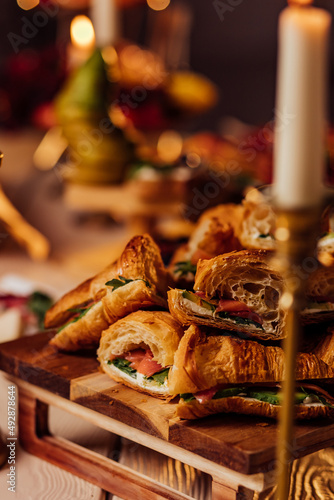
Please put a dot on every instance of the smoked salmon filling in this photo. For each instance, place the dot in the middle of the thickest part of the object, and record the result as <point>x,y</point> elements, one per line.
<point>224,308</point>
<point>140,361</point>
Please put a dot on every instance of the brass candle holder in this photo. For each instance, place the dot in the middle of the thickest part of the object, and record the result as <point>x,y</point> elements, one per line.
<point>296,235</point>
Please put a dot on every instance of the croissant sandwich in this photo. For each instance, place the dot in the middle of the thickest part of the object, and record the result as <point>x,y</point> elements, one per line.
<point>214,374</point>
<point>136,280</point>
<point>238,291</point>
<point>258,225</point>
<point>138,350</point>
<point>324,349</point>
<point>214,234</point>
<point>320,296</point>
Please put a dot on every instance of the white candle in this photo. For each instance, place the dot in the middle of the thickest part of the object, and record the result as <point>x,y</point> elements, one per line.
<point>299,148</point>
<point>105,21</point>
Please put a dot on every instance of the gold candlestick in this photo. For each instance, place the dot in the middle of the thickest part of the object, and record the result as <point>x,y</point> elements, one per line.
<point>296,242</point>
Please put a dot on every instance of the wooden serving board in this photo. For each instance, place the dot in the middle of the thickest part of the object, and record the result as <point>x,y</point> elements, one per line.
<point>241,443</point>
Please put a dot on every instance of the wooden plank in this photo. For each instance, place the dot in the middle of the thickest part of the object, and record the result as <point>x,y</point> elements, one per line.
<point>247,444</point>
<point>37,479</point>
<point>238,442</point>
<point>86,464</point>
<point>32,359</point>
<point>228,477</point>
<point>98,392</point>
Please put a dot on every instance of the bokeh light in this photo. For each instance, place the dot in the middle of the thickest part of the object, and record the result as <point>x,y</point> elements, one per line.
<point>158,4</point>
<point>27,4</point>
<point>169,146</point>
<point>82,32</point>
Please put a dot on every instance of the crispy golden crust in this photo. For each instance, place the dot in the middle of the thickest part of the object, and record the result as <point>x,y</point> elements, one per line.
<point>244,276</point>
<point>237,404</point>
<point>325,349</point>
<point>141,329</point>
<point>229,213</point>
<point>140,258</point>
<point>84,333</point>
<point>320,283</point>
<point>129,298</point>
<point>258,219</point>
<point>201,362</point>
<point>215,232</point>
<point>156,329</point>
<point>59,313</point>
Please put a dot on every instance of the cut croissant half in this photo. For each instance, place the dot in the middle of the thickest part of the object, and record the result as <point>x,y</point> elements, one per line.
<point>83,330</point>
<point>214,374</point>
<point>137,280</point>
<point>138,350</point>
<point>238,291</point>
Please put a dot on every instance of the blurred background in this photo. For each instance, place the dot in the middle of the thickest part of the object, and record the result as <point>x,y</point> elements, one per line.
<point>124,116</point>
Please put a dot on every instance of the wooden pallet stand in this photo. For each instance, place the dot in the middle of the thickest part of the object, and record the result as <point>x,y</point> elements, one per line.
<point>238,452</point>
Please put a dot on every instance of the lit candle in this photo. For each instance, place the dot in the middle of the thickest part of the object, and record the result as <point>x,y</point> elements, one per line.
<point>82,42</point>
<point>105,21</point>
<point>300,108</point>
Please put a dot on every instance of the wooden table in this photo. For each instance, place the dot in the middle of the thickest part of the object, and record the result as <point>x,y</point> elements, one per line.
<point>237,451</point>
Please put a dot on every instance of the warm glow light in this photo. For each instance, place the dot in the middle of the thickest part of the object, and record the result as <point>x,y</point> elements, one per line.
<point>82,32</point>
<point>158,4</point>
<point>300,3</point>
<point>169,146</point>
<point>27,4</point>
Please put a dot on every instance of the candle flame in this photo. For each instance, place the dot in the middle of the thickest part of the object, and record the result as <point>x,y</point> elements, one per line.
<point>82,32</point>
<point>300,3</point>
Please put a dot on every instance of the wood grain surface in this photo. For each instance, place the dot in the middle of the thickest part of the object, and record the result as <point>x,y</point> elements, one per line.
<point>241,443</point>
<point>37,478</point>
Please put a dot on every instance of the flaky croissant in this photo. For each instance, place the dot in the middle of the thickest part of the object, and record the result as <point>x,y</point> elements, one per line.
<point>205,363</point>
<point>238,291</point>
<point>138,279</point>
<point>320,295</point>
<point>214,234</point>
<point>258,225</point>
<point>153,332</point>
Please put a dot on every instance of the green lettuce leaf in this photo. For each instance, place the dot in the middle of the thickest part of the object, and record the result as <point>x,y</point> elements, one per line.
<point>81,312</point>
<point>159,377</point>
<point>184,267</point>
<point>118,283</point>
<point>124,366</point>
